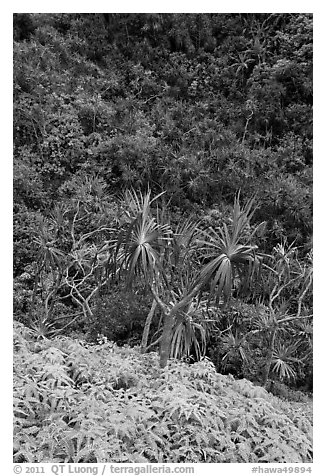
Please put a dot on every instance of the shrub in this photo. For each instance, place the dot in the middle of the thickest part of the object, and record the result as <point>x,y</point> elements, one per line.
<point>120,316</point>
<point>104,403</point>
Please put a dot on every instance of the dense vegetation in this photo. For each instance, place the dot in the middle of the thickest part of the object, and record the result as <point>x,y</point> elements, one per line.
<point>106,403</point>
<point>163,200</point>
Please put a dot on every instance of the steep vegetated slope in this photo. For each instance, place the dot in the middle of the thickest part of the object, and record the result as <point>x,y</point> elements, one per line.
<point>199,105</point>
<point>162,197</point>
<point>104,403</point>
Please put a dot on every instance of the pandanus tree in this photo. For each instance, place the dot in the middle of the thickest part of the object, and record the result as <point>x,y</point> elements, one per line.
<point>75,244</point>
<point>148,247</point>
<point>228,253</point>
<point>287,328</point>
<point>48,276</point>
<point>140,245</point>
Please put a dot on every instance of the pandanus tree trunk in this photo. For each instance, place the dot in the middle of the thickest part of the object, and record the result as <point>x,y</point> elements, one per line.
<point>165,343</point>
<point>268,365</point>
<point>147,326</point>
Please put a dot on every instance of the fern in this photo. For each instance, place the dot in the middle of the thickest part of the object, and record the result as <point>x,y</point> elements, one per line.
<point>104,403</point>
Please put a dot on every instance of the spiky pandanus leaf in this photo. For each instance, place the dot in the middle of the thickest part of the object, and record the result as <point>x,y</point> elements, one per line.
<point>283,361</point>
<point>228,253</point>
<point>139,243</point>
<point>185,338</point>
<point>191,328</point>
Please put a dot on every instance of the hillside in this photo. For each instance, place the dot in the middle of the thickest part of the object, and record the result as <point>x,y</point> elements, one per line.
<point>163,261</point>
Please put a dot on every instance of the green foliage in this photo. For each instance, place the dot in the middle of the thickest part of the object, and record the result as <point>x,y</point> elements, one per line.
<point>193,104</point>
<point>98,404</point>
<point>229,253</point>
<point>120,315</point>
<point>201,106</point>
<point>240,343</point>
<point>139,246</point>
<point>191,331</point>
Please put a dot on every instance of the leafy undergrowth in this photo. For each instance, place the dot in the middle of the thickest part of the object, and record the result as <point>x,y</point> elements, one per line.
<point>104,403</point>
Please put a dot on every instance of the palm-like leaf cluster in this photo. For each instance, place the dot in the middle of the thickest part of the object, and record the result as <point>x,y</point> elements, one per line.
<point>283,361</point>
<point>49,256</point>
<point>234,346</point>
<point>140,242</point>
<point>229,254</point>
<point>190,331</point>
